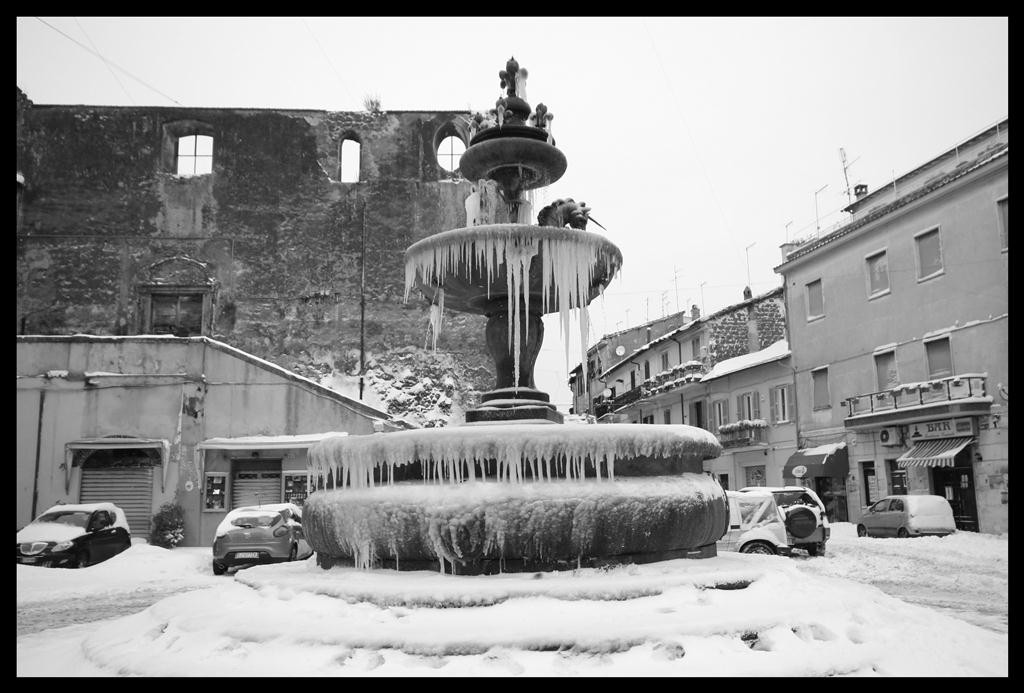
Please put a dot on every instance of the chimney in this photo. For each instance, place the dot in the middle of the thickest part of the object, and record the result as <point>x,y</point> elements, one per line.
<point>648,333</point>
<point>788,248</point>
<point>747,293</point>
<point>860,190</point>
<point>694,312</point>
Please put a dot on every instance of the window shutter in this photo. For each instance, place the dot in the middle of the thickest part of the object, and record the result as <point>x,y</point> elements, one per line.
<point>725,411</point>
<point>756,397</point>
<point>790,410</point>
<point>774,404</point>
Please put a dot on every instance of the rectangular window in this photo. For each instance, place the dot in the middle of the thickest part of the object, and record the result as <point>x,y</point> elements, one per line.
<point>1004,221</point>
<point>878,273</point>
<point>195,155</point>
<point>723,479</point>
<point>885,370</point>
<point>897,479</point>
<point>695,348</point>
<point>815,300</point>
<point>632,379</point>
<point>940,361</point>
<point>215,491</point>
<point>664,361</point>
<point>781,398</point>
<point>667,416</point>
<point>648,419</point>
<point>747,406</point>
<point>821,397</point>
<point>721,412</point>
<point>929,254</point>
<point>647,370</point>
<point>755,475</point>
<point>177,314</point>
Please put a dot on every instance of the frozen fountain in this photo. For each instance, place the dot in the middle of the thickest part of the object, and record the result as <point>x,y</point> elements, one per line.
<point>514,488</point>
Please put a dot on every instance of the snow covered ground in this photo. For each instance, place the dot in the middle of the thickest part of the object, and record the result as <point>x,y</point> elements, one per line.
<point>794,617</point>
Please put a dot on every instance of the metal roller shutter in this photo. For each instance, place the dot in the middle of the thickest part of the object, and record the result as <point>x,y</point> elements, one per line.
<point>129,488</point>
<point>255,488</point>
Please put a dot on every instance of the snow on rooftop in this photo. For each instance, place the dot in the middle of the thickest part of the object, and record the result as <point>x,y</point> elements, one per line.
<point>776,351</point>
<point>827,449</point>
<point>302,440</point>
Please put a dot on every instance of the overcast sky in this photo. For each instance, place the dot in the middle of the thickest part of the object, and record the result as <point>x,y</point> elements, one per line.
<point>691,138</point>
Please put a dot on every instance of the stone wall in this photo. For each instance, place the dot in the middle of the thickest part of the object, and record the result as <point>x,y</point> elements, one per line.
<point>747,327</point>
<point>280,238</point>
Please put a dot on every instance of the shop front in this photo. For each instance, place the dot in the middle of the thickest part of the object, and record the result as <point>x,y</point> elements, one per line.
<point>824,469</point>
<point>949,461</point>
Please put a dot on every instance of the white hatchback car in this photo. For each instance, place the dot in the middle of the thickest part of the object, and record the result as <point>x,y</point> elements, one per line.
<point>906,516</point>
<point>756,524</point>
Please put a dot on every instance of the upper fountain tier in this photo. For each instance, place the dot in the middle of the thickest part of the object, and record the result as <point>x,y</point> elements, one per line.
<point>551,269</point>
<point>511,145</point>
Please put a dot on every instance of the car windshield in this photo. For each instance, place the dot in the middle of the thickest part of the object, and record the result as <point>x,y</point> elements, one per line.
<point>787,498</point>
<point>72,518</point>
<point>250,521</point>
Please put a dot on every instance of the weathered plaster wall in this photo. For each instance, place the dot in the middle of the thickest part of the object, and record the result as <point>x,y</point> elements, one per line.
<point>102,203</point>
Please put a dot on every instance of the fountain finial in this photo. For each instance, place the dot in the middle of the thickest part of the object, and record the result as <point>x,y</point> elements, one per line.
<point>508,76</point>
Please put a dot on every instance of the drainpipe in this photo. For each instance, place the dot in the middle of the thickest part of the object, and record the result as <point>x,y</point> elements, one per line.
<point>39,440</point>
<point>362,302</point>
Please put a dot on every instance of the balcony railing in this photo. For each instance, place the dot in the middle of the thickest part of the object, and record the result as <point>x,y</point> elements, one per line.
<point>689,372</point>
<point>908,395</point>
<point>740,434</point>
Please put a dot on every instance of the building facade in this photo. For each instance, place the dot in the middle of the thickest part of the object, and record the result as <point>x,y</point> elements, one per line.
<point>280,232</point>
<point>898,328</point>
<point>142,421</point>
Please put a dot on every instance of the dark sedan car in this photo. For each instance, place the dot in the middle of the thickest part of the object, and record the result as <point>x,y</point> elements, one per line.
<point>74,536</point>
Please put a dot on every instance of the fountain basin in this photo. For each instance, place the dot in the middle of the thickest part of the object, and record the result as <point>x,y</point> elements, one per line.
<point>489,527</point>
<point>512,497</point>
<point>553,268</point>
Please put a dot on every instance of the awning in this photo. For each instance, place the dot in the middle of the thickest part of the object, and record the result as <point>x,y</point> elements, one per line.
<point>306,440</point>
<point>114,443</point>
<point>824,460</point>
<point>937,452</point>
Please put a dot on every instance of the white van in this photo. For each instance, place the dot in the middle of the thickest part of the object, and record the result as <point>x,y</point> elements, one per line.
<point>756,524</point>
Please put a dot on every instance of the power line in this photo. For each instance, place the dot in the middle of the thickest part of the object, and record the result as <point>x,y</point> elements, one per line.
<point>331,64</point>
<point>105,62</point>
<point>86,48</point>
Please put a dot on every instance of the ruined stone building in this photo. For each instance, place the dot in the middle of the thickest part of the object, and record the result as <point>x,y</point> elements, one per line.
<point>243,225</point>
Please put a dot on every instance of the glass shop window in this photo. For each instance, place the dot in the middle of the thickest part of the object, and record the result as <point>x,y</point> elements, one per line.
<point>215,491</point>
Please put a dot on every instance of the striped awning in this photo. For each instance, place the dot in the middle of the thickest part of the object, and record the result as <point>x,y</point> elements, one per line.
<point>937,452</point>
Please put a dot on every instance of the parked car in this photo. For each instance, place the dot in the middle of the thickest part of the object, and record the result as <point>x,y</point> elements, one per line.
<point>906,516</point>
<point>259,534</point>
<point>806,521</point>
<point>74,536</point>
<point>756,525</point>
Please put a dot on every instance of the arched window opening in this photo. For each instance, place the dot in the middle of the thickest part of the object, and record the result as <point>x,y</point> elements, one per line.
<point>449,152</point>
<point>195,155</point>
<point>350,153</point>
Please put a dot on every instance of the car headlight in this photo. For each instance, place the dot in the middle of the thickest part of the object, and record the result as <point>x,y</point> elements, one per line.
<point>62,546</point>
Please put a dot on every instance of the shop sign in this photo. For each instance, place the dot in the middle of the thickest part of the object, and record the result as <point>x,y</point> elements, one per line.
<point>799,471</point>
<point>941,428</point>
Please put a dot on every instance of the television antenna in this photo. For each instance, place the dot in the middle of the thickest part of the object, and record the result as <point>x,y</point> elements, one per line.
<point>846,167</point>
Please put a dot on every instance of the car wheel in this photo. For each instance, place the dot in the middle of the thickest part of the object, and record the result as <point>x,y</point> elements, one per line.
<point>293,554</point>
<point>902,533</point>
<point>862,531</point>
<point>83,560</point>
<point>219,568</point>
<point>758,547</point>
<point>816,549</point>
